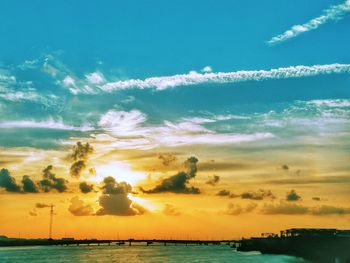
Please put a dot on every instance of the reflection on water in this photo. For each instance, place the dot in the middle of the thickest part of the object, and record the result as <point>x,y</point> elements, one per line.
<point>132,254</point>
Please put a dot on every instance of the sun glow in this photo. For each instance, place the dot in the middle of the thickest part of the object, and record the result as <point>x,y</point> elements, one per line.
<point>120,170</point>
<point>150,206</point>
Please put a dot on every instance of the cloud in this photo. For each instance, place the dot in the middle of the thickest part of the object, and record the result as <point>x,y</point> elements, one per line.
<point>33,213</point>
<point>316,198</point>
<point>207,69</point>
<point>81,151</point>
<point>330,210</point>
<point>122,122</point>
<point>293,196</point>
<point>129,130</point>
<point>236,209</point>
<point>170,210</point>
<point>29,185</point>
<point>178,183</point>
<point>285,167</point>
<point>80,155</point>
<point>8,182</point>
<point>42,205</point>
<point>85,187</point>
<point>76,168</point>
<point>194,78</point>
<point>259,195</point>
<point>167,158</point>
<point>50,181</point>
<point>214,180</point>
<point>332,13</point>
<point>115,200</point>
<point>79,208</point>
<point>95,78</point>
<point>285,208</point>
<point>48,124</point>
<point>225,192</point>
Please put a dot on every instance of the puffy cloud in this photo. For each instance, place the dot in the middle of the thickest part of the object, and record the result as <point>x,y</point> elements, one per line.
<point>178,182</point>
<point>80,155</point>
<point>81,151</point>
<point>170,210</point>
<point>293,196</point>
<point>285,209</point>
<point>213,180</point>
<point>167,158</point>
<point>332,13</point>
<point>285,167</point>
<point>236,209</point>
<point>76,168</point>
<point>85,187</point>
<point>50,181</point>
<point>79,208</point>
<point>330,210</point>
<point>29,185</point>
<point>8,182</point>
<point>259,195</point>
<point>115,200</point>
<point>95,78</point>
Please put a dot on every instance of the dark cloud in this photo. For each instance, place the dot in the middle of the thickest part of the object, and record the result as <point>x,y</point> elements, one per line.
<point>80,155</point>
<point>33,213</point>
<point>293,196</point>
<point>76,168</point>
<point>285,167</point>
<point>213,180</point>
<point>227,193</point>
<point>213,165</point>
<point>42,205</point>
<point>175,184</point>
<point>85,187</point>
<point>330,210</point>
<point>29,185</point>
<point>191,166</point>
<point>316,198</point>
<point>50,181</point>
<point>115,200</point>
<point>178,182</point>
<point>236,209</point>
<point>167,158</point>
<point>8,182</point>
<point>170,210</point>
<point>81,151</point>
<point>285,209</point>
<point>79,208</point>
<point>259,195</point>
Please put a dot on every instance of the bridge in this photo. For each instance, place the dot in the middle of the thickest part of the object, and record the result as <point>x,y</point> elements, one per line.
<point>119,242</point>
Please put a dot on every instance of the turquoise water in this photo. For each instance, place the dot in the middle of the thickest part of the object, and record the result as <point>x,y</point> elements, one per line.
<point>132,254</point>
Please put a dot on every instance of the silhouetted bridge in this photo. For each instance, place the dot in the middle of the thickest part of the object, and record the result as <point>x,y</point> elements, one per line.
<point>119,242</point>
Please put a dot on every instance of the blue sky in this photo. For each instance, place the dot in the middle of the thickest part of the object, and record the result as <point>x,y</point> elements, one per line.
<point>48,43</point>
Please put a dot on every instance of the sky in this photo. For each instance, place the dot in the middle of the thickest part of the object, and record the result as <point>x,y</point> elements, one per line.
<point>183,119</point>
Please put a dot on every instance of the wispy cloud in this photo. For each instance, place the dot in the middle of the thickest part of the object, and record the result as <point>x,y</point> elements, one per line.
<point>332,13</point>
<point>194,78</point>
<point>48,124</point>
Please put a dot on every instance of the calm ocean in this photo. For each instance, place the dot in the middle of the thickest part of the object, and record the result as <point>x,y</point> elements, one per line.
<point>135,253</point>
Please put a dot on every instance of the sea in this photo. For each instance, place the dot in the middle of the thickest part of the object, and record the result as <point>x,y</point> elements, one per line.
<point>137,253</point>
